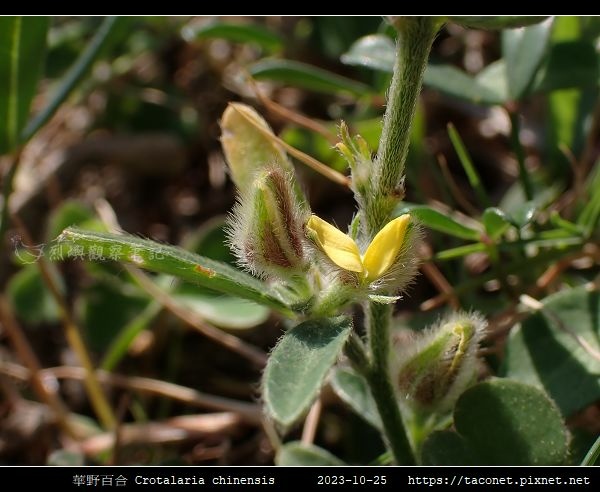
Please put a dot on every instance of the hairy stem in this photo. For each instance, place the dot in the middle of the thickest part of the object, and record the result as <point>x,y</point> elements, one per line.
<point>416,35</point>
<point>378,376</point>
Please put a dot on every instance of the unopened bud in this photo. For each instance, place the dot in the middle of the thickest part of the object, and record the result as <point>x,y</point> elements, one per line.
<point>266,233</point>
<point>358,155</point>
<point>441,363</point>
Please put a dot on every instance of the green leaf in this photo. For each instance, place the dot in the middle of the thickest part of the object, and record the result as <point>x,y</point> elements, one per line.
<point>378,52</point>
<point>306,76</point>
<point>524,214</point>
<point>510,423</point>
<point>22,51</point>
<point>106,306</point>
<point>62,457</point>
<point>467,164</point>
<point>497,21</point>
<point>31,299</point>
<point>224,311</point>
<point>565,225</point>
<point>108,33</point>
<point>375,51</point>
<point>298,366</point>
<point>454,82</point>
<point>353,389</point>
<point>221,310</point>
<point>69,213</point>
<point>591,458</point>
<point>523,50</point>
<point>495,221</point>
<point>239,33</point>
<point>541,352</point>
<point>569,64</point>
<point>467,249</point>
<point>162,258</point>
<point>443,448</point>
<point>590,214</point>
<point>438,221</point>
<point>120,344</point>
<point>493,79</point>
<point>296,453</point>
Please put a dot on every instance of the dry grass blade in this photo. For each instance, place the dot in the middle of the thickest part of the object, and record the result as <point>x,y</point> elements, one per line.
<point>171,431</point>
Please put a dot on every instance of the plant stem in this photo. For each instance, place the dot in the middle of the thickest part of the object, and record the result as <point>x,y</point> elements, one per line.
<point>515,129</point>
<point>378,376</point>
<point>7,189</point>
<point>94,390</point>
<point>592,456</point>
<point>416,35</point>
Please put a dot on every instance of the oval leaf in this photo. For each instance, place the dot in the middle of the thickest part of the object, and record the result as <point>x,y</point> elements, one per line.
<point>353,389</point>
<point>31,299</point>
<point>156,257</point>
<point>22,50</point>
<point>375,51</point>
<point>443,448</point>
<point>509,423</point>
<point>523,50</point>
<point>69,213</point>
<point>493,79</point>
<point>306,76</point>
<point>544,352</point>
<point>296,453</point>
<point>453,82</point>
<point>298,366</point>
<point>438,221</point>
<point>495,222</point>
<point>224,311</point>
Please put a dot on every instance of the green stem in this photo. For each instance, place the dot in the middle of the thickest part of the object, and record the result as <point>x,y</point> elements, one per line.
<point>416,35</point>
<point>593,454</point>
<point>7,189</point>
<point>515,128</point>
<point>378,376</point>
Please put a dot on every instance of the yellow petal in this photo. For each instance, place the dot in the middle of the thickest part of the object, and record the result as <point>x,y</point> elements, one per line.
<point>340,248</point>
<point>384,248</point>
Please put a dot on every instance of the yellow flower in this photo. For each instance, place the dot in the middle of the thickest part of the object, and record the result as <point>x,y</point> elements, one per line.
<point>344,252</point>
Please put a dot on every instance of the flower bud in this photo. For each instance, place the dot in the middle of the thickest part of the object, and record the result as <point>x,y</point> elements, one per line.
<point>358,155</point>
<point>441,363</point>
<point>266,230</point>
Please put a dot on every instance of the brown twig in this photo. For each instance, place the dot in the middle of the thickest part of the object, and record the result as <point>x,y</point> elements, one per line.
<point>27,355</point>
<point>171,431</point>
<point>289,115</point>
<point>455,190</point>
<point>94,390</point>
<point>312,422</point>
<point>249,412</point>
<point>436,277</point>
